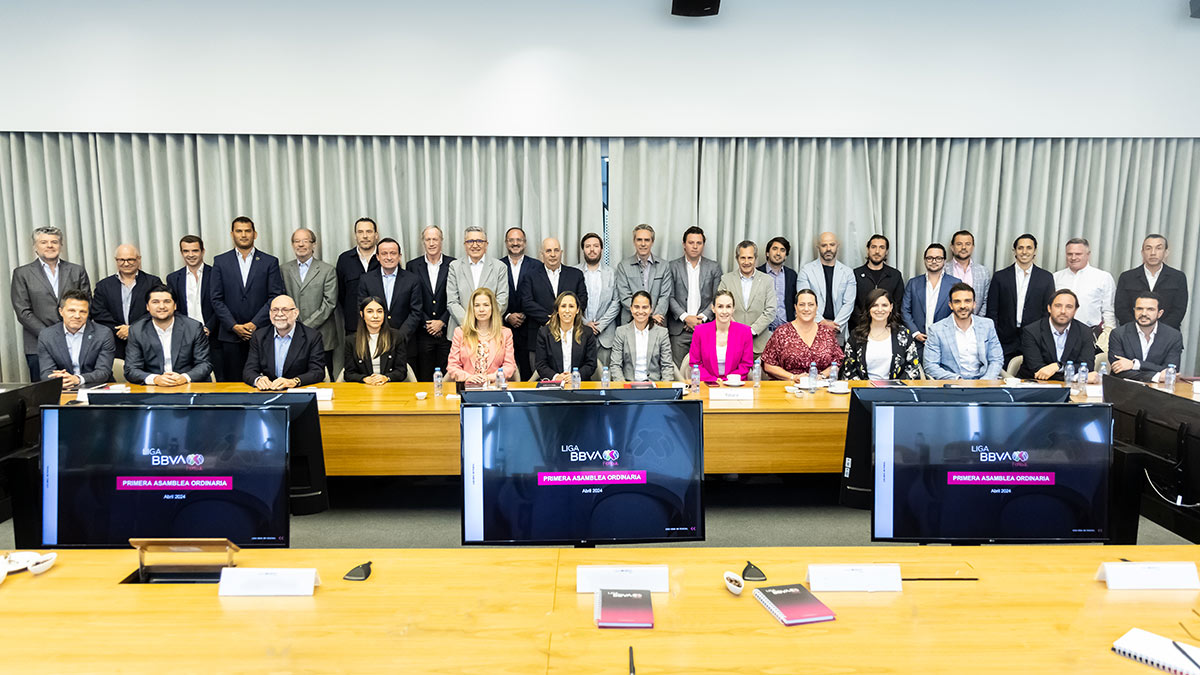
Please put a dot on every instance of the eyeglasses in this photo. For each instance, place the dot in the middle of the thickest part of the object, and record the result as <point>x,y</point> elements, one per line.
<point>124,261</point>
<point>281,311</point>
<point>934,258</point>
<point>476,242</point>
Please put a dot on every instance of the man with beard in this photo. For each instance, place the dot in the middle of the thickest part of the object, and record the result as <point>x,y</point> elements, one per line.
<point>963,346</point>
<point>602,309</point>
<point>964,267</point>
<point>784,279</point>
<point>833,282</point>
<point>1049,344</point>
<point>876,273</point>
<point>1020,294</point>
<point>1142,350</point>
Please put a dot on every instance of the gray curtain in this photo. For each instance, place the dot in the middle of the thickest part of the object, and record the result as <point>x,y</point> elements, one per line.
<point>106,189</point>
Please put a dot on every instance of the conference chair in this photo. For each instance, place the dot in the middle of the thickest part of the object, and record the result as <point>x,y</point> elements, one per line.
<point>1101,357</point>
<point>683,372</point>
<point>1014,365</point>
<point>119,371</point>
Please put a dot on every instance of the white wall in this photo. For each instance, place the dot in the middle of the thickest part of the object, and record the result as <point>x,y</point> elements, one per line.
<point>604,67</point>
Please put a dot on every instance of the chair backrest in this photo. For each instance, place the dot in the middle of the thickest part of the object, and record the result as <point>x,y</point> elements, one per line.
<point>683,372</point>
<point>119,371</point>
<point>1101,357</point>
<point>341,376</point>
<point>411,377</point>
<point>1014,365</point>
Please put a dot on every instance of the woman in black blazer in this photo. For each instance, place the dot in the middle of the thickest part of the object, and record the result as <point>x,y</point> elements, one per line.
<point>388,347</point>
<point>566,321</point>
<point>878,322</point>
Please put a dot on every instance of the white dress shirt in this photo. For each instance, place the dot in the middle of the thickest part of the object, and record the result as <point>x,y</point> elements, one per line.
<point>192,283</point>
<point>433,268</point>
<point>693,289</point>
<point>593,280</point>
<point>553,275</point>
<point>516,270</point>
<point>51,275</point>
<point>747,284</point>
<point>244,264</point>
<point>1023,277</point>
<point>641,348</point>
<point>372,343</point>
<point>968,350</point>
<point>365,262</point>
<point>879,358</point>
<point>568,336</point>
<point>1147,342</point>
<point>164,339</point>
<point>1151,278</point>
<point>931,298</point>
<point>476,271</point>
<point>1095,289</point>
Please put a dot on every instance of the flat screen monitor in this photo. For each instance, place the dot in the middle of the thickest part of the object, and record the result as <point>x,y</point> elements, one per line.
<point>582,473</point>
<point>991,472</point>
<point>570,395</point>
<point>110,473</point>
<point>20,410</point>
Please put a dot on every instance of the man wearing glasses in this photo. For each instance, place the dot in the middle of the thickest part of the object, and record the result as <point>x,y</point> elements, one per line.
<point>285,354</point>
<point>927,296</point>
<point>120,299</point>
<point>471,272</point>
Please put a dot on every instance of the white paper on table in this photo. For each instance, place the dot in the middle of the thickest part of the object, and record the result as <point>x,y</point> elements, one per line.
<point>869,578</point>
<point>268,581</point>
<point>1139,576</point>
<point>591,578</point>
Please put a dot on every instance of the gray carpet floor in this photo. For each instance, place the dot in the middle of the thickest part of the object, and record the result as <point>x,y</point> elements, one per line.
<point>764,510</point>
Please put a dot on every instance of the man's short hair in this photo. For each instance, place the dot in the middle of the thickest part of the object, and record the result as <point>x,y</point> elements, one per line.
<point>517,228</point>
<point>52,231</point>
<point>886,244</point>
<point>1148,295</point>
<point>191,239</point>
<point>241,219</point>
<point>1079,240</point>
<point>644,226</point>
<point>746,243</point>
<point>474,228</point>
<point>960,232</point>
<point>937,246</point>
<point>694,229</point>
<point>159,288</point>
<point>74,294</point>
<point>962,286</point>
<point>364,219</point>
<point>388,240</point>
<point>591,235</point>
<point>310,232</point>
<point>1156,236</point>
<point>432,227</point>
<point>782,241</point>
<point>1025,236</point>
<point>1064,291</point>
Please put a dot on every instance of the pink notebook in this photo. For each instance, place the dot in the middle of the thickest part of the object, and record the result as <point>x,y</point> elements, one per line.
<point>793,604</point>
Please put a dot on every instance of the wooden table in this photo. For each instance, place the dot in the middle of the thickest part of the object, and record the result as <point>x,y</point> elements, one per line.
<point>1034,609</point>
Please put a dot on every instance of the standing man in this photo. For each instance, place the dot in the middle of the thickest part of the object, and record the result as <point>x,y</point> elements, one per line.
<point>120,299</point>
<point>754,293</point>
<point>244,281</point>
<point>192,287</point>
<point>285,354</point>
<point>36,288</point>
<point>77,350</point>
<point>927,297</point>
<point>1168,283</point>
<point>1142,350</point>
<point>962,247</point>
<point>398,288</point>
<point>518,264</point>
<point>1094,287</point>
<point>312,283</point>
<point>963,346</point>
<point>351,265</point>
<point>543,285</point>
<point>876,273</point>
<point>834,284</point>
<point>166,349</point>
<point>1047,345</point>
<point>467,274</point>
<point>1020,294</point>
<point>431,345</point>
<point>601,312</point>
<point>644,272</point>
<point>694,283</point>
<point>784,278</point>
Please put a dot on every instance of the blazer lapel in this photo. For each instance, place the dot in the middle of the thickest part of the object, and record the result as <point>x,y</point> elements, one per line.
<point>176,344</point>
<point>38,272</point>
<point>298,344</point>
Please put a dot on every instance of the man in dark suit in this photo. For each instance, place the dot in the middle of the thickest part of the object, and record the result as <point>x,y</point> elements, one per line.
<point>543,284</point>
<point>285,354</point>
<point>244,281</point>
<point>694,281</point>
<point>518,266</point>
<point>192,287</point>
<point>166,349</point>
<point>398,288</point>
<point>927,296</point>
<point>1169,284</point>
<point>120,299</point>
<point>1144,349</point>
<point>77,350</point>
<point>351,265</point>
<point>36,288</point>
<point>431,346</point>
<point>875,273</point>
<point>1048,344</point>
<point>1019,295</point>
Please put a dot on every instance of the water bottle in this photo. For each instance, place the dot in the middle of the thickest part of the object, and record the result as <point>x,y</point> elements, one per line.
<point>501,381</point>
<point>1082,375</point>
<point>437,382</point>
<point>1069,375</point>
<point>1103,368</point>
<point>756,373</point>
<point>695,380</point>
<point>833,371</point>
<point>576,379</point>
<point>605,378</point>
<point>1169,377</point>
<point>813,376</point>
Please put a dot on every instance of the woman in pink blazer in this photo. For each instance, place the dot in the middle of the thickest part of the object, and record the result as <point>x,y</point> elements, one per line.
<point>482,345</point>
<point>723,347</point>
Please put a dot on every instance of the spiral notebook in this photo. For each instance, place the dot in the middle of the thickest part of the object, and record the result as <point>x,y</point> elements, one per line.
<point>1158,651</point>
<point>793,604</point>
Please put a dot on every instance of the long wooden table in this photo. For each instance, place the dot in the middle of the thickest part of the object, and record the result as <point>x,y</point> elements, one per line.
<point>1034,609</point>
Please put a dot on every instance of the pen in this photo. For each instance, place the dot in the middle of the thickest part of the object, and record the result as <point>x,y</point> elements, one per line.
<point>633,672</point>
<point>1181,651</point>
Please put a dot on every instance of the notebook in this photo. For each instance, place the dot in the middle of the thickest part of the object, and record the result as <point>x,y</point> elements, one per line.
<point>793,604</point>
<point>619,608</point>
<point>1158,651</point>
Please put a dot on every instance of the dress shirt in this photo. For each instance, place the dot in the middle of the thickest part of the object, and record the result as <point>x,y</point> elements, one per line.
<point>1151,279</point>
<point>303,267</point>
<point>963,273</point>
<point>1023,277</point>
<point>516,270</point>
<point>968,350</point>
<point>164,338</point>
<point>244,263</point>
<point>593,280</point>
<point>282,344</point>
<point>879,358</point>
<point>126,299</point>
<point>365,262</point>
<point>1147,342</point>
<point>931,298</point>
<point>372,343</point>
<point>191,289</point>
<point>645,264</point>
<point>778,278</point>
<point>1096,290</point>
<point>74,346</point>
<point>568,336</point>
<point>747,284</point>
<point>389,283</point>
<point>1060,340</point>
<point>476,271</point>
<point>433,268</point>
<point>553,275</point>
<point>693,288</point>
<point>51,275</point>
<point>641,348</point>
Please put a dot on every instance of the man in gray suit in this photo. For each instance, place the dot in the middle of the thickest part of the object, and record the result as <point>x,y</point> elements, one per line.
<point>37,287</point>
<point>166,349</point>
<point>833,282</point>
<point>79,351</point>
<point>312,283</point>
<point>602,309</point>
<point>964,267</point>
<point>1142,350</point>
<point>643,272</point>
<point>695,280</point>
<point>470,272</point>
<point>754,295</point>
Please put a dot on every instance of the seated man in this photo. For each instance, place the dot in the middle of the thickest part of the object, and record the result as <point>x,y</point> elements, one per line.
<point>285,354</point>
<point>1050,343</point>
<point>79,351</point>
<point>963,346</point>
<point>1142,350</point>
<point>166,349</point>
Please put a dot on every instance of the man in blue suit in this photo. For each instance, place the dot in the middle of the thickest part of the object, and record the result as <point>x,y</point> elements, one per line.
<point>963,346</point>
<point>244,282</point>
<point>191,286</point>
<point>77,350</point>
<point>927,296</point>
<point>120,299</point>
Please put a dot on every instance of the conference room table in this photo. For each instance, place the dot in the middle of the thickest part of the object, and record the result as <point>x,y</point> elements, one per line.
<point>387,431</point>
<point>1032,609</point>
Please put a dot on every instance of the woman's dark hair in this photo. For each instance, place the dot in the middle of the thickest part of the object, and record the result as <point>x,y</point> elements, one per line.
<point>863,330</point>
<point>362,338</point>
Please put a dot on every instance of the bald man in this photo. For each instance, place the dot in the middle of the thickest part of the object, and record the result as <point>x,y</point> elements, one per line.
<point>286,353</point>
<point>544,285</point>
<point>120,299</point>
<point>834,284</point>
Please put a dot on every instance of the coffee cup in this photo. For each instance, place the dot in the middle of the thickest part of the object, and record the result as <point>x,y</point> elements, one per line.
<point>421,395</point>
<point>839,386</point>
<point>733,378</point>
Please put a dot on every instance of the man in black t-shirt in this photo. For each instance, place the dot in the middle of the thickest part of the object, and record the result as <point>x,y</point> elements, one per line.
<point>875,273</point>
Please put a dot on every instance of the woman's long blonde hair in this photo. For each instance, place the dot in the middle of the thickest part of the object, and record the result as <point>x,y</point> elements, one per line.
<point>577,328</point>
<point>471,329</point>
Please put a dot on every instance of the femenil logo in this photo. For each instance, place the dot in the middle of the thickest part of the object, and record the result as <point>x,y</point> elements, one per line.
<point>610,457</point>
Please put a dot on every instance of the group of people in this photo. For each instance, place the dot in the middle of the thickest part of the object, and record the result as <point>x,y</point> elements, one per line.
<point>275,324</point>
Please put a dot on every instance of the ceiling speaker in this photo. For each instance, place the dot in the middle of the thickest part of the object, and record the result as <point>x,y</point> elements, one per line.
<point>711,7</point>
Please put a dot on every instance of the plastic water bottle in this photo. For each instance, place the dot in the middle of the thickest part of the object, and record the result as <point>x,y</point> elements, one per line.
<point>813,376</point>
<point>437,382</point>
<point>605,378</point>
<point>756,373</point>
<point>1081,376</point>
<point>576,379</point>
<point>695,380</point>
<point>1103,368</point>
<point>833,371</point>
<point>501,381</point>
<point>1069,375</point>
<point>1169,377</point>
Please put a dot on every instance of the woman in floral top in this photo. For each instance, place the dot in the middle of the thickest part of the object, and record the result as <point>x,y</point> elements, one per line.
<point>880,346</point>
<point>797,344</point>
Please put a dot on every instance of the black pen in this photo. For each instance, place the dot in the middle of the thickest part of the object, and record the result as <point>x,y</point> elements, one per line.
<point>633,672</point>
<point>1177,646</point>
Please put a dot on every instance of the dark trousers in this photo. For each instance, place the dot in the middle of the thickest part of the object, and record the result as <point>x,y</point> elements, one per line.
<point>427,352</point>
<point>233,360</point>
<point>523,353</point>
<point>35,371</point>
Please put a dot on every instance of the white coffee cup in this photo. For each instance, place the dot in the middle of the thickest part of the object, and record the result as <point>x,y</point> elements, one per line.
<point>421,395</point>
<point>839,386</point>
<point>733,378</point>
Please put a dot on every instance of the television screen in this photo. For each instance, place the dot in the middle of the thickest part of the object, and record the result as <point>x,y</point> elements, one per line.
<point>991,472</point>
<point>110,473</point>
<point>515,395</point>
<point>582,473</point>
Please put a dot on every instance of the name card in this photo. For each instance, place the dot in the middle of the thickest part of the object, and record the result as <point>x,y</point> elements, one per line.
<point>268,581</point>
<point>1150,576</point>
<point>591,578</point>
<point>868,578</point>
<point>323,393</point>
<point>745,393</point>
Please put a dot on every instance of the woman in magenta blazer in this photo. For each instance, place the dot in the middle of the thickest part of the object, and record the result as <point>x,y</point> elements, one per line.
<point>722,347</point>
<point>482,345</point>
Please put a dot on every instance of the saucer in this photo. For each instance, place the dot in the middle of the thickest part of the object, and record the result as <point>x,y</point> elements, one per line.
<point>19,560</point>
<point>739,383</point>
